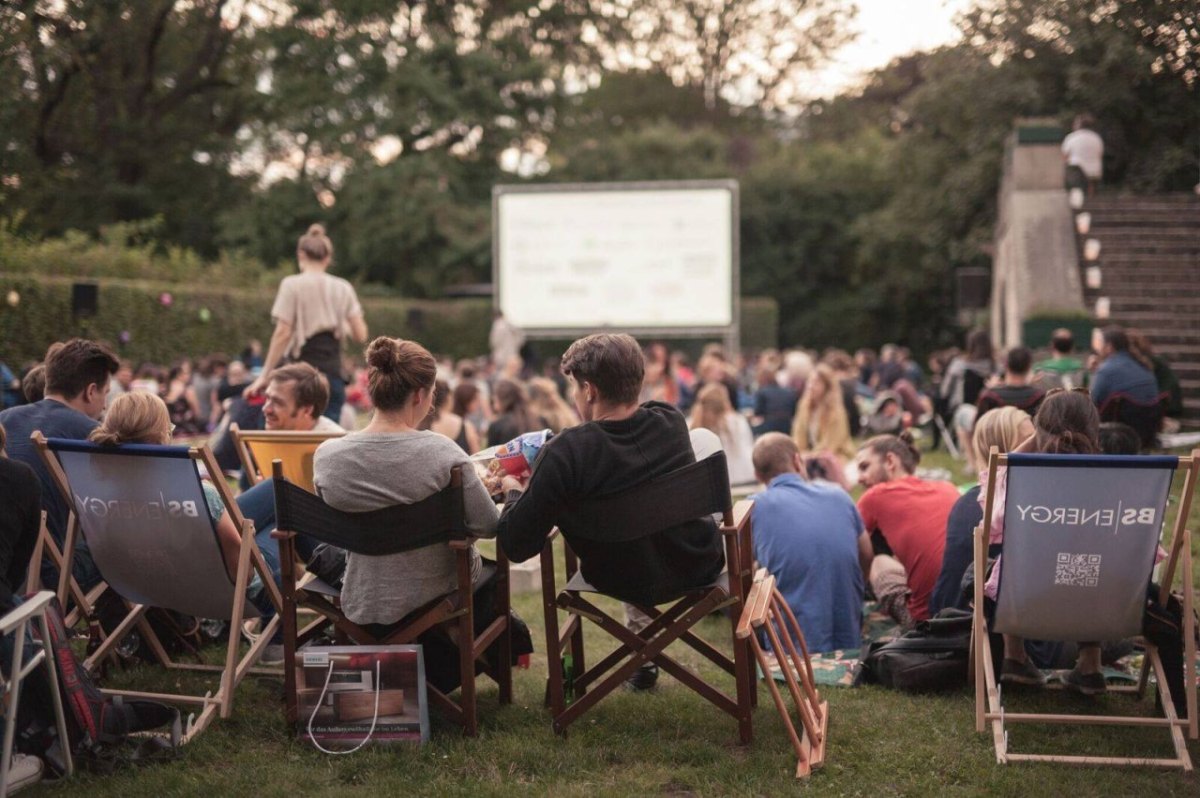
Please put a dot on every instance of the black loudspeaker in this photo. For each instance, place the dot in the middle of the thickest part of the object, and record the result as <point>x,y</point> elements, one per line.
<point>85,299</point>
<point>974,287</point>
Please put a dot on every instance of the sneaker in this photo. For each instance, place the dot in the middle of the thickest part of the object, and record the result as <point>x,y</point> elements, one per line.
<point>1015,671</point>
<point>1085,683</point>
<point>23,771</point>
<point>643,679</point>
<point>272,654</point>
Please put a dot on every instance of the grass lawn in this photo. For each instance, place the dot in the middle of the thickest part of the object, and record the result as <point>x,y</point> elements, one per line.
<point>669,742</point>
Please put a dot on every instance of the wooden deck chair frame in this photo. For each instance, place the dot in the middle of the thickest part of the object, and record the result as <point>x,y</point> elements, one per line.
<point>244,442</point>
<point>767,613</point>
<point>455,610</point>
<point>31,612</point>
<point>988,705</point>
<point>235,668</point>
<point>68,590</point>
<point>590,685</point>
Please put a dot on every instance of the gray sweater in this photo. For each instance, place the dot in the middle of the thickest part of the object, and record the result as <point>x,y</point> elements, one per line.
<point>361,472</point>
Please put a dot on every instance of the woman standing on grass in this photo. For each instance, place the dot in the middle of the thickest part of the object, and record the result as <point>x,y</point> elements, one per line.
<point>313,311</point>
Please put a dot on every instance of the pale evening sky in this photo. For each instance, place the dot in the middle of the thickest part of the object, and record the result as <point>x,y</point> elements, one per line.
<point>886,29</point>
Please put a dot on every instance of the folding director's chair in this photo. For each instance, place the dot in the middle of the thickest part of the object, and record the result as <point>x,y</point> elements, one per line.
<point>695,491</point>
<point>436,520</point>
<point>295,450</point>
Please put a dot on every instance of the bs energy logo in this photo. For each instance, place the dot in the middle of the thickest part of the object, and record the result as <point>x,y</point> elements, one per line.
<point>1109,517</point>
<point>129,510</point>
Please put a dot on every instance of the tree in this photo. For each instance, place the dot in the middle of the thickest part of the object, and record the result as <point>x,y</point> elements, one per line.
<point>115,112</point>
<point>751,53</point>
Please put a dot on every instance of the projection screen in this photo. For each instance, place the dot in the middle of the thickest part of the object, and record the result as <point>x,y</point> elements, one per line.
<point>656,258</point>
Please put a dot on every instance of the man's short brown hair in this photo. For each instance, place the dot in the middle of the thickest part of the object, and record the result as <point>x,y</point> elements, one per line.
<point>310,387</point>
<point>612,362</point>
<point>75,365</point>
<point>774,454</point>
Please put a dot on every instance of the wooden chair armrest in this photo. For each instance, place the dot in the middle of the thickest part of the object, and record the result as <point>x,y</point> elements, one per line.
<point>462,545</point>
<point>282,534</point>
<point>741,517</point>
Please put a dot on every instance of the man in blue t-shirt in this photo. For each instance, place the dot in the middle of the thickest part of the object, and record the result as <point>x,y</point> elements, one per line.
<point>77,377</point>
<point>810,537</point>
<point>1120,372</point>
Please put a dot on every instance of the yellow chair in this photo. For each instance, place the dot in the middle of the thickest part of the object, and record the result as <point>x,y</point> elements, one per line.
<point>294,449</point>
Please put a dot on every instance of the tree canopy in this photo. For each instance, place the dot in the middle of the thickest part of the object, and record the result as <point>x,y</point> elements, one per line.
<point>236,123</point>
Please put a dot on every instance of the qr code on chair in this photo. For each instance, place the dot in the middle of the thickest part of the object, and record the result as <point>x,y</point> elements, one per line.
<point>1077,570</point>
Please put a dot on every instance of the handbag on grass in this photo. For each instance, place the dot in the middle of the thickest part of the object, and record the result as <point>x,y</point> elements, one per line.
<point>349,696</point>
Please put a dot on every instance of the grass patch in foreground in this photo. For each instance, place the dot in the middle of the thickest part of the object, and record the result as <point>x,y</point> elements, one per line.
<point>671,742</point>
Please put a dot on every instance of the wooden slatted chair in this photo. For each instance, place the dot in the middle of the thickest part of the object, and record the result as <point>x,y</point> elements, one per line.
<point>436,520</point>
<point>767,614</point>
<point>1080,534</point>
<point>142,510</point>
<point>695,491</point>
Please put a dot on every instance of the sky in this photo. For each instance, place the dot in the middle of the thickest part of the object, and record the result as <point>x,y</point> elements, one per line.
<point>886,29</point>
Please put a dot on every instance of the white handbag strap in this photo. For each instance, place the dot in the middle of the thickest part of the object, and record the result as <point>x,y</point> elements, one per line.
<point>321,701</point>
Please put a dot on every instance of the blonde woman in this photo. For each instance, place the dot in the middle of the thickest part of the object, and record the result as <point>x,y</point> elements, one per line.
<point>313,312</point>
<point>141,417</point>
<point>1006,428</point>
<point>821,424</point>
<point>547,402</point>
<point>713,411</point>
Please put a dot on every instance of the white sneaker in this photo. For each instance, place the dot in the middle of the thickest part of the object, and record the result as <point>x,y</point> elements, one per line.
<point>24,771</point>
<point>272,654</point>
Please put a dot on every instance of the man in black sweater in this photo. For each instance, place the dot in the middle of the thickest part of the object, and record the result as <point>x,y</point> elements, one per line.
<point>619,445</point>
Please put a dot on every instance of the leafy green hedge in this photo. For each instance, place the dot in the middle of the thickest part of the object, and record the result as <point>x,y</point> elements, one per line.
<point>209,317</point>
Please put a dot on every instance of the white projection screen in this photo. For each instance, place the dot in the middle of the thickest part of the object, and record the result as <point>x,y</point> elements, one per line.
<point>652,258</point>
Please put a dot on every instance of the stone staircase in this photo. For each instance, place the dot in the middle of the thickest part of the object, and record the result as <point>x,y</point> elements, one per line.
<point>1149,272</point>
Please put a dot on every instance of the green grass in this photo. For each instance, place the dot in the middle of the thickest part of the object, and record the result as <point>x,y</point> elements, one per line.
<point>670,742</point>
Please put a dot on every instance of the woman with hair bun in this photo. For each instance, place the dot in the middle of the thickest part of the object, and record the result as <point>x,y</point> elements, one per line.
<point>392,461</point>
<point>313,312</point>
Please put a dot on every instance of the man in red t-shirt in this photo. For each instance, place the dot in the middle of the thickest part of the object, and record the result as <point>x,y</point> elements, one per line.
<point>909,516</point>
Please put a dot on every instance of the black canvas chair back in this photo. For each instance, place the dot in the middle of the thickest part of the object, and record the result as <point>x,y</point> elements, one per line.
<point>1145,418</point>
<point>143,513</point>
<point>694,491</point>
<point>389,530</point>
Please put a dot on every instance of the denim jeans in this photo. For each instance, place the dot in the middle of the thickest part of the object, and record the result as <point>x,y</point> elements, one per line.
<point>337,398</point>
<point>258,505</point>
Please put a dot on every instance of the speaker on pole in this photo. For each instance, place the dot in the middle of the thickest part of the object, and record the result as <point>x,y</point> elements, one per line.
<point>85,299</point>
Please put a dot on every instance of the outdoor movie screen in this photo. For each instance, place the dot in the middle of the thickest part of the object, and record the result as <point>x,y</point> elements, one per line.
<point>638,256</point>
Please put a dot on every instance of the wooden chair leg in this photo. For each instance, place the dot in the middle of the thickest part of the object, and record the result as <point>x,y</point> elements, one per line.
<point>466,665</point>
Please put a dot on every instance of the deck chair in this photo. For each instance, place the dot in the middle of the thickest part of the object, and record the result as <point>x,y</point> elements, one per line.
<point>767,614</point>
<point>142,511</point>
<point>70,594</point>
<point>1144,418</point>
<point>16,622</point>
<point>1080,535</point>
<point>694,491</point>
<point>295,450</point>
<point>436,520</point>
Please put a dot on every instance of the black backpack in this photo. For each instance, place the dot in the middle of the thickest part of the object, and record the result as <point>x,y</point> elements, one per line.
<point>97,725</point>
<point>933,656</point>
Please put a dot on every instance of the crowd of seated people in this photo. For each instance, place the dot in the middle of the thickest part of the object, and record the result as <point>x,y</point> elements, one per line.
<point>788,422</point>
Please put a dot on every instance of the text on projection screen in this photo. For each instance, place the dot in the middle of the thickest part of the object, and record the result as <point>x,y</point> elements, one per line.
<point>649,258</point>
